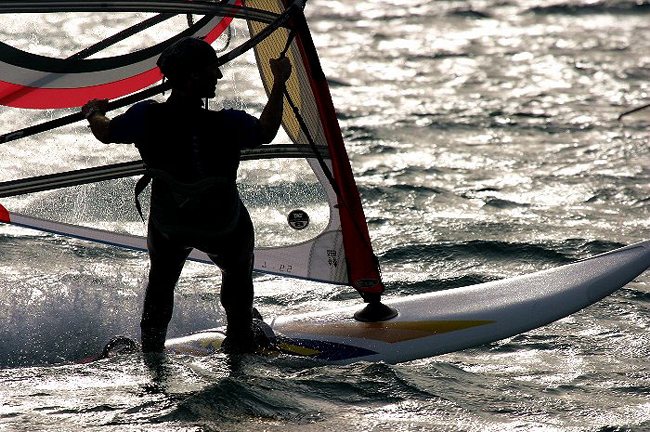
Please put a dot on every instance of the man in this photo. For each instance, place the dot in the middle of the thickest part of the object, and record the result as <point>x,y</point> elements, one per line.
<point>192,154</point>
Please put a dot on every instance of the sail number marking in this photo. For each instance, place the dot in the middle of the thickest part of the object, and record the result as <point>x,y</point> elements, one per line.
<point>282,268</point>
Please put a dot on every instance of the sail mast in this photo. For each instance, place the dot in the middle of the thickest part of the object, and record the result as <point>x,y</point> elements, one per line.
<point>362,264</point>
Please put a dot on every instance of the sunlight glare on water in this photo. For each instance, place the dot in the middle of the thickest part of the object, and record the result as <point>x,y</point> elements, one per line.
<point>484,140</point>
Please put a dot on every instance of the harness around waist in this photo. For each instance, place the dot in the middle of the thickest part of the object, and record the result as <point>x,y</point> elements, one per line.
<point>208,206</point>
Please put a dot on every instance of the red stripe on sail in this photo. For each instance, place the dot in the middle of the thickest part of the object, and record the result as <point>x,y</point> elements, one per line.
<point>362,265</point>
<point>4,215</point>
<point>21,96</point>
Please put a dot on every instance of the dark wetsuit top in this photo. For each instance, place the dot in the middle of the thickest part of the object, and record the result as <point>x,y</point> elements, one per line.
<point>193,155</point>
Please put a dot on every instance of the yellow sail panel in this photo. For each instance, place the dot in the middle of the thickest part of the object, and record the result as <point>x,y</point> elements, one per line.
<point>298,85</point>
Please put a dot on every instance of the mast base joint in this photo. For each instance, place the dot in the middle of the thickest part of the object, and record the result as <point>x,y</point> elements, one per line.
<point>375,311</point>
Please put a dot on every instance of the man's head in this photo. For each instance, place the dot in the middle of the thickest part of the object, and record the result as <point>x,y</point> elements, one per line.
<point>191,64</point>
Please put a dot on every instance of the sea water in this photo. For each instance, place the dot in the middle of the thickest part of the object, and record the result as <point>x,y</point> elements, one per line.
<point>485,142</point>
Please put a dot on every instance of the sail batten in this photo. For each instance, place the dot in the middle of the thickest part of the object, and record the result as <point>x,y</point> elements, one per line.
<point>136,168</point>
<point>222,9</point>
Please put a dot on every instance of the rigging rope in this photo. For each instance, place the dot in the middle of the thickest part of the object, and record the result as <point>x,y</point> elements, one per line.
<point>303,124</point>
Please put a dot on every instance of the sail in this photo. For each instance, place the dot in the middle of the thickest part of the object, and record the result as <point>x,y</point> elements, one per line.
<point>35,81</point>
<point>302,196</point>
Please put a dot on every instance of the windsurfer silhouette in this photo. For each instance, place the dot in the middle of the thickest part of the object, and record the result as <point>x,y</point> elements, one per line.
<point>192,155</point>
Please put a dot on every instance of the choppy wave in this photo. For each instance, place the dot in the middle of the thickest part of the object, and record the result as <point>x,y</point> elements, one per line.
<point>469,13</point>
<point>489,250</point>
<point>600,7</point>
<point>550,253</point>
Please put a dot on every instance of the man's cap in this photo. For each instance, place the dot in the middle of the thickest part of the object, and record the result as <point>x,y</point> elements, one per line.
<point>185,56</point>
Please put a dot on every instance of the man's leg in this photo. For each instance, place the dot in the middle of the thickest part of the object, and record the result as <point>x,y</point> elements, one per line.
<point>236,262</point>
<point>237,300</point>
<point>167,260</point>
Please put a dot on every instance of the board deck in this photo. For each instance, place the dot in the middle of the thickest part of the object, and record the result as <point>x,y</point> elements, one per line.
<point>446,321</point>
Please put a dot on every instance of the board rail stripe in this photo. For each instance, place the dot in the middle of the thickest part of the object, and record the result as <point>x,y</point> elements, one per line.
<point>387,331</point>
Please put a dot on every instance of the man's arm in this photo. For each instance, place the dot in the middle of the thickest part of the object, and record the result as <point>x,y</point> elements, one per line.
<point>271,117</point>
<point>95,113</point>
